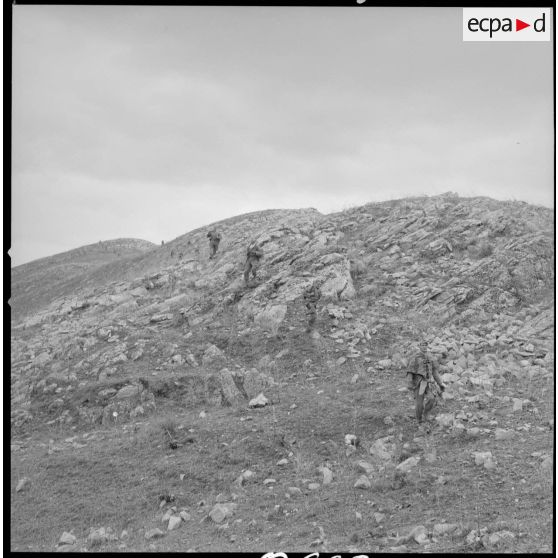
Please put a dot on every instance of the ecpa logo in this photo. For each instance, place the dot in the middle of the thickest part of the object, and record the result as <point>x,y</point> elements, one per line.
<point>506,24</point>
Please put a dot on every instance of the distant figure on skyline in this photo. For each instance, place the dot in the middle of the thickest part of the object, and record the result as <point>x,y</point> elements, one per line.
<point>214,239</point>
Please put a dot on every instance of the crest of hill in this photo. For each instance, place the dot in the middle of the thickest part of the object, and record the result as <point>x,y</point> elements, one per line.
<point>460,223</point>
<point>237,233</point>
<point>38,282</point>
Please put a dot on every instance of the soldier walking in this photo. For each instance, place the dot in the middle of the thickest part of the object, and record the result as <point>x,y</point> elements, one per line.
<point>214,239</point>
<point>253,256</point>
<point>425,382</point>
<point>311,295</point>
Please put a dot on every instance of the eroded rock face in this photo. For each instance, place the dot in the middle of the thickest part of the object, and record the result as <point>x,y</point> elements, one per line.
<point>442,259</point>
<point>271,317</point>
<point>338,284</point>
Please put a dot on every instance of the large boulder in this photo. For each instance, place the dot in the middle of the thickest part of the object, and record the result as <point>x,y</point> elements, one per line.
<point>338,283</point>
<point>230,393</point>
<point>271,318</point>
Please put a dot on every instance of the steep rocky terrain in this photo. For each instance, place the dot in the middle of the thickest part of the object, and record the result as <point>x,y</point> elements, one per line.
<point>151,365</point>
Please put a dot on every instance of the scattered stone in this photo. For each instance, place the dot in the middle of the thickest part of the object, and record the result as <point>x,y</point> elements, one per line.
<point>419,535</point>
<point>156,318</point>
<point>496,539</point>
<point>127,392</point>
<point>245,476</point>
<point>97,537</point>
<point>221,511</point>
<point>230,394</point>
<point>383,364</point>
<point>383,448</point>
<point>185,516</point>
<point>67,538</point>
<point>327,474</point>
<point>154,534</point>
<point>363,482</point>
<point>366,467</point>
<point>472,537</point>
<point>502,434</point>
<point>22,484</point>
<point>444,528</point>
<point>354,379</point>
<point>282,462</point>
<point>408,464</point>
<point>259,401</point>
<point>294,491</point>
<point>174,523</point>
<point>351,440</point>
<point>167,515</point>
<point>213,355</point>
<point>314,486</point>
<point>269,482</point>
<point>379,517</point>
<point>341,360</point>
<point>445,419</point>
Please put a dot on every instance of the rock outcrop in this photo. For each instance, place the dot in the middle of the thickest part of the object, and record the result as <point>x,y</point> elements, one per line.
<point>475,276</point>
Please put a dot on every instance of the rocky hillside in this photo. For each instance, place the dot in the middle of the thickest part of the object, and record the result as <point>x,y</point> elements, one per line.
<point>474,276</point>
<point>37,283</point>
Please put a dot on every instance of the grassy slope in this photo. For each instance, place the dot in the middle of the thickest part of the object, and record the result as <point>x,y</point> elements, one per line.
<point>116,478</point>
<point>37,283</point>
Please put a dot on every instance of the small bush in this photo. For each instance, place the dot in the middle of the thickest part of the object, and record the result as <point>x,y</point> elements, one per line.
<point>162,432</point>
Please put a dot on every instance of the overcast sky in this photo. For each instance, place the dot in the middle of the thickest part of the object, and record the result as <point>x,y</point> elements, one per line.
<point>148,122</point>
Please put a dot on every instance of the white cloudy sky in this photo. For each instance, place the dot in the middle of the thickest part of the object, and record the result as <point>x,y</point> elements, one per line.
<point>148,122</point>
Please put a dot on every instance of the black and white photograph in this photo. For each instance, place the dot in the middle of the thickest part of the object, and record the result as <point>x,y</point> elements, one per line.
<point>282,279</point>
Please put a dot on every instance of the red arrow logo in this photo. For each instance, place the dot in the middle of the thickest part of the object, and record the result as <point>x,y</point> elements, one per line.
<point>519,25</point>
